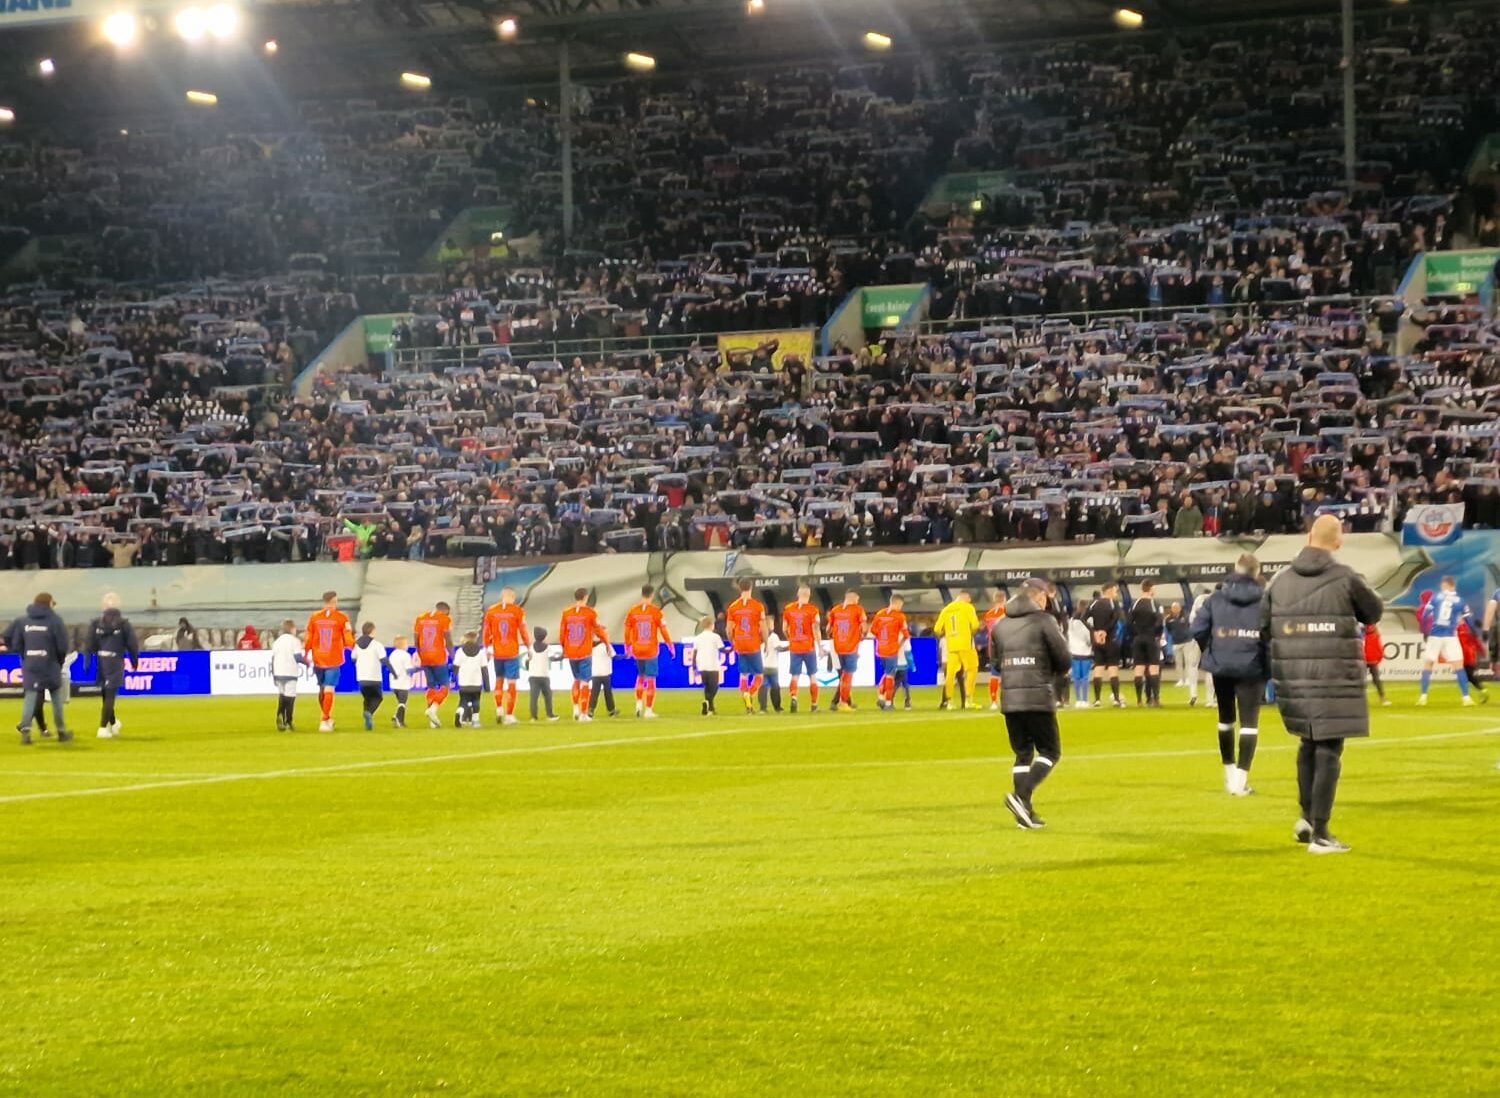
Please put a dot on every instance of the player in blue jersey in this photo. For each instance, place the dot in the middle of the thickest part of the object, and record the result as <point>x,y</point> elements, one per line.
<point>1444,613</point>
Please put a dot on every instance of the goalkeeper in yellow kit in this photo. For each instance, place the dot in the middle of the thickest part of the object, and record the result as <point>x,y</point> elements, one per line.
<point>957,623</point>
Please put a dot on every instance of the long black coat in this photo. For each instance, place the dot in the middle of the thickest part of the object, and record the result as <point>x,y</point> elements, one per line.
<point>1312,613</point>
<point>1031,653</point>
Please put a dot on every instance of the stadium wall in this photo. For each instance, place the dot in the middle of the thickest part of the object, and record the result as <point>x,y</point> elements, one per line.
<point>692,584</point>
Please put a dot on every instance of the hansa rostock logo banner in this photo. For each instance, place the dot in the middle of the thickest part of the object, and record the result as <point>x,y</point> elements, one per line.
<point>1433,524</point>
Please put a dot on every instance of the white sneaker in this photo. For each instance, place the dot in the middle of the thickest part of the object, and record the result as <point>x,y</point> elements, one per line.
<point>115,728</point>
<point>325,726</point>
<point>1229,778</point>
<point>994,706</point>
<point>1080,705</point>
<point>509,718</point>
<point>649,714</point>
<point>583,717</point>
<point>475,723</point>
<point>106,733</point>
<point>1468,700</point>
<point>1241,783</point>
<point>432,717</point>
<point>499,716</point>
<point>576,713</point>
<point>639,709</point>
<point>1422,699</point>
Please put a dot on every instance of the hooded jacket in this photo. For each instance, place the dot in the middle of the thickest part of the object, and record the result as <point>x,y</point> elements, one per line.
<point>42,643</point>
<point>111,638</point>
<point>1312,613</point>
<point>369,660</point>
<point>1228,631</point>
<point>1031,653</point>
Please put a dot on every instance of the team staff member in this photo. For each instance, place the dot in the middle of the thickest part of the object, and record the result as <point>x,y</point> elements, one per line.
<point>111,639</point>
<point>433,632</point>
<point>846,628</point>
<point>1146,620</point>
<point>991,617</point>
<point>1103,618</point>
<point>957,623</point>
<point>580,628</point>
<point>801,623</point>
<point>888,627</point>
<point>1312,612</point>
<point>503,632</point>
<point>1031,652</point>
<point>1227,632</point>
<point>41,640</point>
<point>327,639</point>
<point>645,633</point>
<point>745,621</point>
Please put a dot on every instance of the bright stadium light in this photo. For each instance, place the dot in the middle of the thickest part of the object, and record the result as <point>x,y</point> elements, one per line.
<point>416,80</point>
<point>271,47</point>
<point>120,29</point>
<point>7,116</point>
<point>202,98</point>
<point>507,27</point>
<point>642,61</point>
<point>223,21</point>
<point>46,66</point>
<point>191,24</point>
<point>754,7</point>
<point>876,41</point>
<point>1128,18</point>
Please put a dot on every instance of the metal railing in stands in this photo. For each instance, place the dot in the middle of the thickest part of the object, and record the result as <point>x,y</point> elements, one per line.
<point>433,359</point>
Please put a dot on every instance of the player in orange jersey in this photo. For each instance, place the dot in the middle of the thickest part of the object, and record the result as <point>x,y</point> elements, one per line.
<point>846,628</point>
<point>504,633</point>
<point>888,627</point>
<point>991,617</point>
<point>328,638</point>
<point>645,633</point>
<point>433,634</point>
<point>580,628</point>
<point>802,625</point>
<point>745,621</point>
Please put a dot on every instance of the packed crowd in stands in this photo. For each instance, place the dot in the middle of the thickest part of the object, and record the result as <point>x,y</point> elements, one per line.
<point>151,422</point>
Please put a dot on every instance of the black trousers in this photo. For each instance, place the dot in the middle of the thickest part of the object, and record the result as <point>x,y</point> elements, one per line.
<point>1033,734</point>
<point>1242,694</point>
<point>710,686</point>
<point>372,695</point>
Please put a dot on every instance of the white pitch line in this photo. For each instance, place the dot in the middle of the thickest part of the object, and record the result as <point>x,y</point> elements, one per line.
<point>540,749</point>
<point>884,764</point>
<point>418,760</point>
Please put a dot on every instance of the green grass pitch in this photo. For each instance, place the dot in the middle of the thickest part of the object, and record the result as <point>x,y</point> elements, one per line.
<point>829,904</point>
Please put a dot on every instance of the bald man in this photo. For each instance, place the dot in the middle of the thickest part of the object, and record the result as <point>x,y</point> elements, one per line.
<point>1313,613</point>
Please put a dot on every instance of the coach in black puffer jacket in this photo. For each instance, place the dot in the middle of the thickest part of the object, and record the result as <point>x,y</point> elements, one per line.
<point>1312,612</point>
<point>1031,653</point>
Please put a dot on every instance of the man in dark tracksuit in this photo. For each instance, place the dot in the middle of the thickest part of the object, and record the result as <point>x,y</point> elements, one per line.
<point>112,640</point>
<point>42,643</point>
<point>1227,631</point>
<point>1312,612</point>
<point>1029,649</point>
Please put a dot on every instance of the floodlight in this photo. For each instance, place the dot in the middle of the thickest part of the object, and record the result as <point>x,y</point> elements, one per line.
<point>877,41</point>
<point>642,61</point>
<point>46,66</point>
<point>1128,18</point>
<point>202,98</point>
<point>416,80</point>
<point>120,29</point>
<point>507,27</point>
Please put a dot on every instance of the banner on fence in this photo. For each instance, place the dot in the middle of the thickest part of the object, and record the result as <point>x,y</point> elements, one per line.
<point>790,341</point>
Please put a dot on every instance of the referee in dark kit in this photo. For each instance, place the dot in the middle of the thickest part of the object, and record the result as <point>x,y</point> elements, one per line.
<point>1103,618</point>
<point>1028,648</point>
